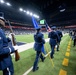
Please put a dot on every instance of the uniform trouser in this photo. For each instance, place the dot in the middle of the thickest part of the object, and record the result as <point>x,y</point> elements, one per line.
<point>38,54</point>
<point>9,70</point>
<point>52,50</point>
<point>74,42</point>
<point>58,46</point>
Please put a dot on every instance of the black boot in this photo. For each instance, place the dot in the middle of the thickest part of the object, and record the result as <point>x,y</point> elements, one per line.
<point>43,59</point>
<point>35,69</point>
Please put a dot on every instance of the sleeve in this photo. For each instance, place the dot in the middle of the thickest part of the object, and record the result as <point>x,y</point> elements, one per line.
<point>43,40</point>
<point>7,50</point>
<point>58,39</point>
<point>35,36</point>
<point>61,34</point>
<point>8,39</point>
<point>4,48</point>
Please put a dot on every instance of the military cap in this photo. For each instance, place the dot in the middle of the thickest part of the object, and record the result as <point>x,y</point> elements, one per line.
<point>53,27</point>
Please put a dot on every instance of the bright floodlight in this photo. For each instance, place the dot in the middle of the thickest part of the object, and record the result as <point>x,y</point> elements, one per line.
<point>8,4</point>
<point>27,12</point>
<point>31,14</point>
<point>1,1</point>
<point>20,9</point>
<point>36,16</point>
<point>24,10</point>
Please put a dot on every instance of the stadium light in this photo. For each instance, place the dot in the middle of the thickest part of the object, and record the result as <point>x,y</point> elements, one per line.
<point>24,11</point>
<point>1,1</point>
<point>36,16</point>
<point>20,9</point>
<point>28,12</point>
<point>8,4</point>
<point>31,14</point>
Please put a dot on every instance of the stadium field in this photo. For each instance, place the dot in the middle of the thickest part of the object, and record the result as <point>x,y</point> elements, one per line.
<point>27,38</point>
<point>46,68</point>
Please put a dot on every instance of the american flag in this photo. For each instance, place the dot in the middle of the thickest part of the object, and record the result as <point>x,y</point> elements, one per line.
<point>47,27</point>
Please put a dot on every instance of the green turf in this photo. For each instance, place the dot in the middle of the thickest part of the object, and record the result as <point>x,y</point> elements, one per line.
<point>46,68</point>
<point>71,69</point>
<point>25,62</point>
<point>26,38</point>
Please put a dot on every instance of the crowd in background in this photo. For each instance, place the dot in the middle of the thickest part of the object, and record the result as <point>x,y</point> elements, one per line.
<point>18,31</point>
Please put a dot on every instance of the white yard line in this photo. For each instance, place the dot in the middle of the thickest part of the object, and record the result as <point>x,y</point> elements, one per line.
<point>28,71</point>
<point>27,46</point>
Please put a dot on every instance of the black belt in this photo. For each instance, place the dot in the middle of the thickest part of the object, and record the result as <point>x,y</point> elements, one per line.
<point>53,38</point>
<point>38,42</point>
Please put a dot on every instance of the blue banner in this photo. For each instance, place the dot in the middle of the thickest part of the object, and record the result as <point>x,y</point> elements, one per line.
<point>34,22</point>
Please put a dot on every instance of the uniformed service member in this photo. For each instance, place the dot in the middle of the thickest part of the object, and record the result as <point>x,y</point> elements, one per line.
<point>39,41</point>
<point>53,40</point>
<point>6,64</point>
<point>59,36</point>
<point>74,43</point>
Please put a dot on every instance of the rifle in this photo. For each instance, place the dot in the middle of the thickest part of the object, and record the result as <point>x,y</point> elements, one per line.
<point>17,57</point>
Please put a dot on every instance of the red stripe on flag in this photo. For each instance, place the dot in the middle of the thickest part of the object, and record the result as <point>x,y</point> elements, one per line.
<point>49,29</point>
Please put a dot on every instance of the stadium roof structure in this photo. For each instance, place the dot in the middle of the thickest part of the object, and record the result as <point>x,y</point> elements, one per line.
<point>56,12</point>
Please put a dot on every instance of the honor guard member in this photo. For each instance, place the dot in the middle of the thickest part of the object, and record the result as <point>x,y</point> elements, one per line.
<point>6,64</point>
<point>74,43</point>
<point>53,40</point>
<point>39,41</point>
<point>59,36</point>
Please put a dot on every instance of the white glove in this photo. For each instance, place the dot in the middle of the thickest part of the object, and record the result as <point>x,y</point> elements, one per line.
<point>55,46</point>
<point>16,47</point>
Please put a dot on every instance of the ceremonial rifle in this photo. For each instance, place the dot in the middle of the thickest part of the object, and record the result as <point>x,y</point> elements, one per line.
<point>17,56</point>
